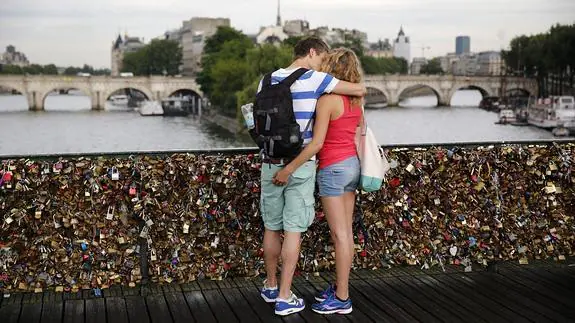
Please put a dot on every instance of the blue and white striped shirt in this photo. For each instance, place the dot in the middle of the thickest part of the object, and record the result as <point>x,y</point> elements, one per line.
<point>305,92</point>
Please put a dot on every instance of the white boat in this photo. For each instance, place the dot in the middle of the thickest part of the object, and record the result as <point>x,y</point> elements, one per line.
<point>120,99</point>
<point>151,108</point>
<point>507,116</point>
<point>560,132</point>
<point>552,112</point>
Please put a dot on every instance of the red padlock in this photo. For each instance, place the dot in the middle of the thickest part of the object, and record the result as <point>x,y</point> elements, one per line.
<point>7,177</point>
<point>132,190</point>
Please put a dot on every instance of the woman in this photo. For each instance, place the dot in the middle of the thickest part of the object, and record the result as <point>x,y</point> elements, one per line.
<point>336,122</point>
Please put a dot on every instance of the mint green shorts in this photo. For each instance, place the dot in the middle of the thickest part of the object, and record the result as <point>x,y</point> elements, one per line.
<point>289,207</point>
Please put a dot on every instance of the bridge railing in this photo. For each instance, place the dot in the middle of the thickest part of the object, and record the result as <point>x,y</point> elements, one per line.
<point>80,221</point>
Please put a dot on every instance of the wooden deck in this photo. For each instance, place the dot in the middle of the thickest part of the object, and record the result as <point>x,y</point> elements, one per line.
<point>533,293</point>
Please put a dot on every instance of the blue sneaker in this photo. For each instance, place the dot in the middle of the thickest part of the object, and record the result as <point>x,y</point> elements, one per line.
<point>325,294</point>
<point>269,294</point>
<point>289,306</point>
<point>333,306</point>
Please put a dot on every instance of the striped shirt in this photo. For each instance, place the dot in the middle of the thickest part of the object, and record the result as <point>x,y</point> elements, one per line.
<point>305,92</point>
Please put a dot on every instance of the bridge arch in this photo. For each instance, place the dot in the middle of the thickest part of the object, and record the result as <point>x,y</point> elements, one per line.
<point>183,92</point>
<point>416,87</point>
<point>56,89</point>
<point>519,92</point>
<point>376,97</point>
<point>483,90</point>
<point>111,90</point>
<point>18,99</point>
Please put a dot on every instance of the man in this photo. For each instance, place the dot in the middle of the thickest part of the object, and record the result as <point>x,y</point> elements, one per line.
<point>290,207</point>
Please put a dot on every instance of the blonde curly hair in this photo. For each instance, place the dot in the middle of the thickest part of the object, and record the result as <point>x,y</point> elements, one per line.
<point>344,65</point>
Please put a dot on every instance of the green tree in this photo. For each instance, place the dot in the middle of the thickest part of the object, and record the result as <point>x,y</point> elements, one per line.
<point>71,70</point>
<point>433,66</point>
<point>159,57</point>
<point>33,69</point>
<point>50,69</point>
<point>11,69</point>
<point>292,41</point>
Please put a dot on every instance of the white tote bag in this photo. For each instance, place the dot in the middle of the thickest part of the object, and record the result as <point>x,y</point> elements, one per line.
<point>372,159</point>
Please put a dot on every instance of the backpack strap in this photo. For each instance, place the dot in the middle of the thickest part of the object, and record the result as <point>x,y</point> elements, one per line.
<point>267,81</point>
<point>288,81</point>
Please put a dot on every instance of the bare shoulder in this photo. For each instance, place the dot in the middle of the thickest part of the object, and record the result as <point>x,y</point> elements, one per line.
<point>329,99</point>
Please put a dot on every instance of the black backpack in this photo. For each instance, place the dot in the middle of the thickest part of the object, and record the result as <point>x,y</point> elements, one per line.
<point>276,129</point>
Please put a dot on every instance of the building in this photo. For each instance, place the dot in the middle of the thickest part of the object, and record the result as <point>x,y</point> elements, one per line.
<point>194,34</point>
<point>122,46</point>
<point>466,65</point>
<point>402,46</point>
<point>380,49</point>
<point>462,45</point>
<point>296,28</point>
<point>13,57</point>
<point>489,63</point>
<point>417,64</point>
<point>447,62</point>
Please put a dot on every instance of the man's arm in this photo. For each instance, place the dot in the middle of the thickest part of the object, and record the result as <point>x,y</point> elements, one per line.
<point>349,89</point>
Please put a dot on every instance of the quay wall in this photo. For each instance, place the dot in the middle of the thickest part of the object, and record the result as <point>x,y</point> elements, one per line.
<point>77,222</point>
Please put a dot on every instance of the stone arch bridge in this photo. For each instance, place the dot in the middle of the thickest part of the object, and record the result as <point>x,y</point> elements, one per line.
<point>444,86</point>
<point>99,88</point>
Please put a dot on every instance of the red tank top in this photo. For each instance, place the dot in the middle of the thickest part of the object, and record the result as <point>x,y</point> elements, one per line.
<point>339,143</point>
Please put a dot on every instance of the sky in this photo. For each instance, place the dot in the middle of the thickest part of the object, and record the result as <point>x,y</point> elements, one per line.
<point>77,32</point>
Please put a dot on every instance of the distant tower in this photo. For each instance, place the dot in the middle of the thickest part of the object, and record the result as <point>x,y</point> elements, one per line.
<point>402,46</point>
<point>279,18</point>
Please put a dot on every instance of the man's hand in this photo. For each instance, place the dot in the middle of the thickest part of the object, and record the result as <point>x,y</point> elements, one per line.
<point>281,177</point>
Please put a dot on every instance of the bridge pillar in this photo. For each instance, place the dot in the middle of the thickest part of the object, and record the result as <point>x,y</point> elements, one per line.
<point>35,101</point>
<point>98,101</point>
<point>444,99</point>
<point>393,100</point>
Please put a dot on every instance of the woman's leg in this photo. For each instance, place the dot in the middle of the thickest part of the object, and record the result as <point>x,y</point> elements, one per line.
<point>340,227</point>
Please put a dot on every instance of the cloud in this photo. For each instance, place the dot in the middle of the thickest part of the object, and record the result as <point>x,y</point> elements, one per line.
<point>74,32</point>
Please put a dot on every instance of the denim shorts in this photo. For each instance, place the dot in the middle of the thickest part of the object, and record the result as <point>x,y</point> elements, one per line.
<point>338,178</point>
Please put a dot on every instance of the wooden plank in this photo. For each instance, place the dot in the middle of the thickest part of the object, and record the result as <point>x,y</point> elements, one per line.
<point>52,297</point>
<point>252,296</point>
<point>376,305</point>
<point>488,287</point>
<point>191,286</point>
<point>218,304</point>
<point>52,312</point>
<point>448,281</point>
<point>257,285</point>
<point>560,276</point>
<point>461,300</point>
<point>31,312</point>
<point>95,310</point>
<point>356,315</point>
<point>414,309</point>
<point>449,310</point>
<point>509,291</point>
<point>199,307</point>
<point>113,291</point>
<point>158,308</point>
<point>564,302</point>
<point>239,305</point>
<point>74,311</point>
<point>302,289</point>
<point>179,307</point>
<point>420,299</point>
<point>31,307</point>
<point>136,309</point>
<point>10,312</point>
<point>116,310</point>
<point>550,281</point>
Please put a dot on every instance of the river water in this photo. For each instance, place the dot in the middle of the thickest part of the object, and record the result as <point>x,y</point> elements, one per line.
<point>69,126</point>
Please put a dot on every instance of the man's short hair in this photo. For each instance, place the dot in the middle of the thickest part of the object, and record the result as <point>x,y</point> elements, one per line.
<point>302,47</point>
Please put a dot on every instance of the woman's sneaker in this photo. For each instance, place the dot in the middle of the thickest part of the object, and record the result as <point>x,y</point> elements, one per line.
<point>332,305</point>
<point>325,294</point>
<point>269,294</point>
<point>289,306</point>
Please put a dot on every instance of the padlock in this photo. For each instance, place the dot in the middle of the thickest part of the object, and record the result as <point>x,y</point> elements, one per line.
<point>110,213</point>
<point>115,174</point>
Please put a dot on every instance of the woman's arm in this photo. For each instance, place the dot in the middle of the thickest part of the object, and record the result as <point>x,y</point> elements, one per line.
<point>324,107</point>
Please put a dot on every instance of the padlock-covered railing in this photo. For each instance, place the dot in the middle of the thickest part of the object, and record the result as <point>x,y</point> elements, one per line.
<point>81,221</point>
